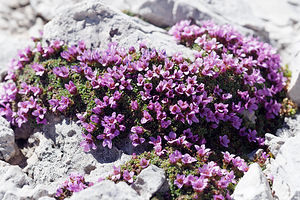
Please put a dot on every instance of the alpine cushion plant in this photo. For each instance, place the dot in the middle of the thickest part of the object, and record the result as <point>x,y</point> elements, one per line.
<point>178,106</point>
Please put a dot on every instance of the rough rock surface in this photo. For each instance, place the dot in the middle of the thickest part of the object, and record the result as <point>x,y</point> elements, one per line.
<point>15,184</point>
<point>149,181</point>
<point>274,143</point>
<point>107,190</point>
<point>8,148</point>
<point>285,170</point>
<point>49,8</point>
<point>254,185</point>
<point>291,127</point>
<point>293,61</point>
<point>55,153</point>
<point>98,25</point>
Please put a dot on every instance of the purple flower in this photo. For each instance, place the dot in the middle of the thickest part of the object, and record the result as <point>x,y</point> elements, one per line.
<point>61,71</point>
<point>165,123</point>
<point>191,117</point>
<point>171,138</point>
<point>227,157</point>
<point>175,109</point>
<point>81,117</point>
<point>128,176</point>
<point>187,159</point>
<point>89,127</point>
<point>25,89</point>
<point>77,69</point>
<point>95,119</point>
<point>54,104</point>
<point>240,164</point>
<point>88,143</point>
<point>147,117</point>
<point>200,184</point>
<point>154,141</point>
<point>36,90</point>
<point>202,151</point>
<point>188,181</point>
<point>23,107</point>
<point>148,87</point>
<point>136,140</point>
<point>39,112</point>
<point>218,197</point>
<point>71,87</point>
<point>137,129</point>
<point>116,174</point>
<point>38,68</point>
<point>41,121</point>
<point>179,181</point>
<point>224,141</point>
<point>6,111</point>
<point>175,157</point>
<point>144,163</point>
<point>63,103</point>
<point>21,119</point>
<point>251,135</point>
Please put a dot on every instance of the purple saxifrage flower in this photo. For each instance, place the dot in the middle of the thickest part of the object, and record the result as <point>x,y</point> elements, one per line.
<point>224,141</point>
<point>144,163</point>
<point>128,176</point>
<point>179,181</point>
<point>71,88</point>
<point>88,143</point>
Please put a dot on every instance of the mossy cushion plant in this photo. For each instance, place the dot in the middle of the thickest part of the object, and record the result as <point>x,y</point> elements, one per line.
<point>192,112</point>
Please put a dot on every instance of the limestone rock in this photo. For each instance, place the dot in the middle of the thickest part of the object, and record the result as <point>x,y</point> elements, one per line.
<point>49,8</point>
<point>253,185</point>
<point>149,181</point>
<point>107,190</point>
<point>294,65</point>
<point>274,143</point>
<point>57,152</point>
<point>290,128</point>
<point>285,170</point>
<point>98,25</point>
<point>8,147</point>
<point>15,184</point>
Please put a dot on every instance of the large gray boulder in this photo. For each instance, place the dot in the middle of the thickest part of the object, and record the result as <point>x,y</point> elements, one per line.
<point>285,170</point>
<point>98,25</point>
<point>253,185</point>
<point>8,148</point>
<point>107,190</point>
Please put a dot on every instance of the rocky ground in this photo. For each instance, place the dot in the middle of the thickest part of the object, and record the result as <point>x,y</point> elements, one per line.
<point>46,157</point>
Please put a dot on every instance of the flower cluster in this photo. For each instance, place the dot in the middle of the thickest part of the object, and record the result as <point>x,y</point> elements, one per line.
<point>178,106</point>
<point>255,61</point>
<point>75,183</point>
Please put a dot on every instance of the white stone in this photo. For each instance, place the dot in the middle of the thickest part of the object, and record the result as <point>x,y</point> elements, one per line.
<point>49,8</point>
<point>294,66</point>
<point>9,47</point>
<point>8,147</point>
<point>253,185</point>
<point>149,181</point>
<point>273,142</point>
<point>56,153</point>
<point>285,170</point>
<point>107,190</point>
<point>98,25</point>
